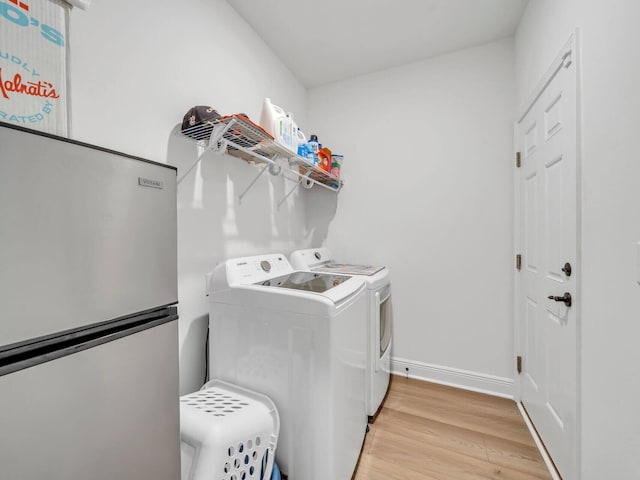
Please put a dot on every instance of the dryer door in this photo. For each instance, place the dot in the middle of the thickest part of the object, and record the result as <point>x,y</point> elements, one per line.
<point>383,326</point>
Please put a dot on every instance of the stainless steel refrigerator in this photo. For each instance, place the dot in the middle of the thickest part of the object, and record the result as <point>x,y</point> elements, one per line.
<point>88,322</point>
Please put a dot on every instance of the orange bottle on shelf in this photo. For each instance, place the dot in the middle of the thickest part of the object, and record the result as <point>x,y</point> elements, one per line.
<point>324,159</point>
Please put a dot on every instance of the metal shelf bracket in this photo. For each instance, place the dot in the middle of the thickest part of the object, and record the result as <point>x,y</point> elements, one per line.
<point>246,190</point>
<point>215,144</point>
<point>303,180</point>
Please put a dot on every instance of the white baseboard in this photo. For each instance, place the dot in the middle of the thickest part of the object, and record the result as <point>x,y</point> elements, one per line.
<point>454,377</point>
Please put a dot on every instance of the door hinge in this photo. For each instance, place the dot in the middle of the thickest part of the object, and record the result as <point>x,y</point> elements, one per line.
<point>518,159</point>
<point>519,363</point>
<point>518,262</point>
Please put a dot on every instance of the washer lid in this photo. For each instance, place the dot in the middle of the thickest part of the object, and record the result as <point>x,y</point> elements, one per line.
<point>348,269</point>
<point>308,281</point>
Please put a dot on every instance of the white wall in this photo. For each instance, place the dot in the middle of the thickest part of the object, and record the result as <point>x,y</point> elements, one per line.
<point>429,192</point>
<point>610,325</point>
<point>442,190</point>
<point>136,68</point>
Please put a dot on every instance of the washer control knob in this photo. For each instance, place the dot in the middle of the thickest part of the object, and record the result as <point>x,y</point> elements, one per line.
<point>266,266</point>
<point>317,255</point>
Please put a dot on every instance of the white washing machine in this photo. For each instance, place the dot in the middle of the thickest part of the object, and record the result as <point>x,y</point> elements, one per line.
<point>299,338</point>
<point>379,316</point>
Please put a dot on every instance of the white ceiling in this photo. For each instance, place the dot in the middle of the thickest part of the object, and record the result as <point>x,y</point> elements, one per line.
<point>330,40</point>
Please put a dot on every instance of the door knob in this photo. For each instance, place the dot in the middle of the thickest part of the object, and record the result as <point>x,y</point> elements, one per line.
<point>566,298</point>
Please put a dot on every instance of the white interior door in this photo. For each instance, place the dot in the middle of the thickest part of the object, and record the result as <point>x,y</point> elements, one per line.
<point>547,223</point>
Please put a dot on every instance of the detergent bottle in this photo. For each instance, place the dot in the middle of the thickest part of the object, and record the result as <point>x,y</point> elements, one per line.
<point>270,116</point>
<point>283,133</point>
<point>300,137</point>
<point>293,132</point>
<point>324,159</point>
<point>275,120</point>
<point>336,164</point>
<point>313,147</point>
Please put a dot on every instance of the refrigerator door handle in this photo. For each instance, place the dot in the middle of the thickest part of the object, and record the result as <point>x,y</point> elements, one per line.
<point>29,354</point>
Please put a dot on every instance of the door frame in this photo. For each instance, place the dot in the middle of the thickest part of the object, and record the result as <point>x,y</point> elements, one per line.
<point>572,46</point>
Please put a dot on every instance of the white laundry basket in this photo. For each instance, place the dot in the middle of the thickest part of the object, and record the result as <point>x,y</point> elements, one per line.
<point>227,433</point>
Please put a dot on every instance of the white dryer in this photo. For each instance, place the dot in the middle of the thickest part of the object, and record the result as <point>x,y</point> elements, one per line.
<point>299,338</point>
<point>379,316</point>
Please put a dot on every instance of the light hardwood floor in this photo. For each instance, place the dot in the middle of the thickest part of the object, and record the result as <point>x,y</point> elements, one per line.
<point>427,431</point>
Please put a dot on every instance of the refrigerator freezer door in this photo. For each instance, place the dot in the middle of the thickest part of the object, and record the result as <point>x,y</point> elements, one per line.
<point>87,235</point>
<point>107,413</point>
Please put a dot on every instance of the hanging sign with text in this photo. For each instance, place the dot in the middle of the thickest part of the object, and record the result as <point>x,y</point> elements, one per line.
<point>33,64</point>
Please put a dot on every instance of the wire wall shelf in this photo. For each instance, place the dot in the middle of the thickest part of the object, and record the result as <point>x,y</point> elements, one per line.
<point>239,137</point>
